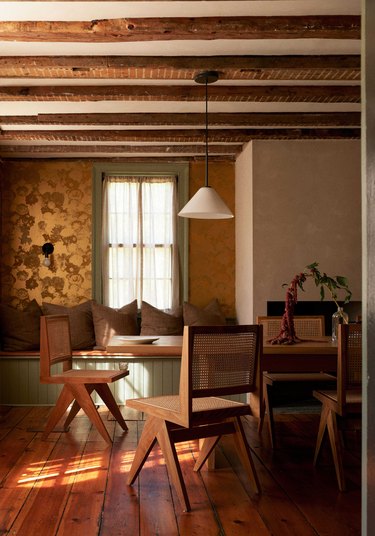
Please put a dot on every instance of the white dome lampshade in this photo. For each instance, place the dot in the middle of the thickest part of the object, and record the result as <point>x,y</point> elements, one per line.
<point>206,204</point>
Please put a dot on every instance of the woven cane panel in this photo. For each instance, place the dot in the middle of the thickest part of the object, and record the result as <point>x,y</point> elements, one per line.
<point>58,339</point>
<point>212,403</point>
<point>354,356</point>
<point>170,403</point>
<point>305,327</point>
<point>222,360</point>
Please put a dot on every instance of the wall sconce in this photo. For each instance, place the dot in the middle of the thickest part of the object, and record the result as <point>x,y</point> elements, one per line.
<point>47,249</point>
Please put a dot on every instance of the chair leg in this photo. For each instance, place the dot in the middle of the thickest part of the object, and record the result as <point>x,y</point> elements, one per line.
<point>66,397</point>
<point>145,445</point>
<point>262,410</point>
<point>72,413</point>
<point>106,395</point>
<point>82,393</point>
<point>334,438</point>
<point>75,408</point>
<point>245,453</point>
<point>321,431</point>
<point>269,408</point>
<point>165,440</point>
<point>206,447</point>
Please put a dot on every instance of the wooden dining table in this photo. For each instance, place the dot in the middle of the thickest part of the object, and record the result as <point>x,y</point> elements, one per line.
<point>316,354</point>
<point>139,346</point>
<point>312,355</point>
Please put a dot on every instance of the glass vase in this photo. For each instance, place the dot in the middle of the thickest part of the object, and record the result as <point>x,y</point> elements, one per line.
<point>339,317</point>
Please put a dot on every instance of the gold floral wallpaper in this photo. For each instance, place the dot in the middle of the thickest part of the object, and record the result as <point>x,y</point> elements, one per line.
<point>51,201</point>
<point>47,201</point>
<point>212,242</point>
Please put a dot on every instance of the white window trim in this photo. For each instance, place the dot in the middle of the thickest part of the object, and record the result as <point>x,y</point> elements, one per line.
<point>181,171</point>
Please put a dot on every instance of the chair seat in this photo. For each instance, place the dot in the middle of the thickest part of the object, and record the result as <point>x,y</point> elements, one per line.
<point>172,403</point>
<point>352,397</point>
<point>88,376</point>
<point>271,377</point>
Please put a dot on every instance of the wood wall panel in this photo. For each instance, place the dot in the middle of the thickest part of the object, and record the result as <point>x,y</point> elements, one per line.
<point>19,379</point>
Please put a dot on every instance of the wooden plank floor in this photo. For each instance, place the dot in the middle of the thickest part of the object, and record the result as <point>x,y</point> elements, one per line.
<point>74,484</point>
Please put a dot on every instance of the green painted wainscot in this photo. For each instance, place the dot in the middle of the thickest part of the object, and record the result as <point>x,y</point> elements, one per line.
<point>148,376</point>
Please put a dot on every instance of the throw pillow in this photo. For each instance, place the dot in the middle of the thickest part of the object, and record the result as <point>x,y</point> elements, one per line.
<point>157,322</point>
<point>210,315</point>
<point>109,322</point>
<point>81,323</point>
<point>20,330</point>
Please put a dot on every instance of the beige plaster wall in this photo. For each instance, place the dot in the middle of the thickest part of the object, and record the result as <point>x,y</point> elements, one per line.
<point>307,208</point>
<point>244,236</point>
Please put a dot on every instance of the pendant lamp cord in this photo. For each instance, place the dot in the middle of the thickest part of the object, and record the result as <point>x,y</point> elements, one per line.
<point>206,174</point>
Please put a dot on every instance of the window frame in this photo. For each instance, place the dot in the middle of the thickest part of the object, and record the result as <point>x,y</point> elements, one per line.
<point>179,170</point>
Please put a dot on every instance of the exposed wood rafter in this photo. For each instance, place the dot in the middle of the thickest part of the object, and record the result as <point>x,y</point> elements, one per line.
<point>123,88</point>
<point>184,28</point>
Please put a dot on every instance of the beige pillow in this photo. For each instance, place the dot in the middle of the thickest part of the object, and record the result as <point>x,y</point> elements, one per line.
<point>109,322</point>
<point>81,323</point>
<point>157,322</point>
<point>211,315</point>
<point>20,330</point>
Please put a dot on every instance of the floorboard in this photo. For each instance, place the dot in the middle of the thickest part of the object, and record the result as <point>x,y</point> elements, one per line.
<point>75,484</point>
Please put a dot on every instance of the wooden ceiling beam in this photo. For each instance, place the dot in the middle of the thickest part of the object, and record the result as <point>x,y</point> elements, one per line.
<point>303,67</point>
<point>184,136</point>
<point>293,119</point>
<point>119,159</point>
<point>329,94</point>
<point>184,28</point>
<point>142,149</point>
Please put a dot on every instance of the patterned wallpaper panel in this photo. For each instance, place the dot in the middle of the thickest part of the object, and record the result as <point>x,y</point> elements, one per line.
<point>50,201</point>
<point>46,202</point>
<point>212,242</point>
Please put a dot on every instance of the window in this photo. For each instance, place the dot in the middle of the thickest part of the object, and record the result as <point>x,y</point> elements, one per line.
<point>139,243</point>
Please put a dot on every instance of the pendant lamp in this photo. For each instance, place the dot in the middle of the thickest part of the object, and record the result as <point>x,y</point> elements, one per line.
<point>206,203</point>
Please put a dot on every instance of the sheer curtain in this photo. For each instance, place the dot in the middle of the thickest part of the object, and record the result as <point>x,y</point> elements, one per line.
<point>139,240</point>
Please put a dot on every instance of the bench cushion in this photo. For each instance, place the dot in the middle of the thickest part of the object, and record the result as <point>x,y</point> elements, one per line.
<point>20,328</point>
<point>109,322</point>
<point>81,322</point>
<point>157,322</point>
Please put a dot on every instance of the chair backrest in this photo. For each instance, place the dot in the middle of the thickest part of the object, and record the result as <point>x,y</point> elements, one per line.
<point>55,344</point>
<point>349,363</point>
<point>218,361</point>
<point>305,326</point>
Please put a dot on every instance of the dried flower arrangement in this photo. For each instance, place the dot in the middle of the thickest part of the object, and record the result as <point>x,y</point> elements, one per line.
<point>287,333</point>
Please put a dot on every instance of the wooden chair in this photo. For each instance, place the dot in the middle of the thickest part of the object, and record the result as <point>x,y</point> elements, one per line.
<point>346,400</point>
<point>306,327</point>
<point>55,347</point>
<point>216,361</point>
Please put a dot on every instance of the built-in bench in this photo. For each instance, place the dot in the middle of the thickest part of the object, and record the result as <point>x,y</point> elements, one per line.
<point>148,376</point>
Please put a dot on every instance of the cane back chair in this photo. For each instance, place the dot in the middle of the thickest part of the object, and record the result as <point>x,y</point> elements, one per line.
<point>216,361</point>
<point>306,327</point>
<point>346,399</point>
<point>55,347</point>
